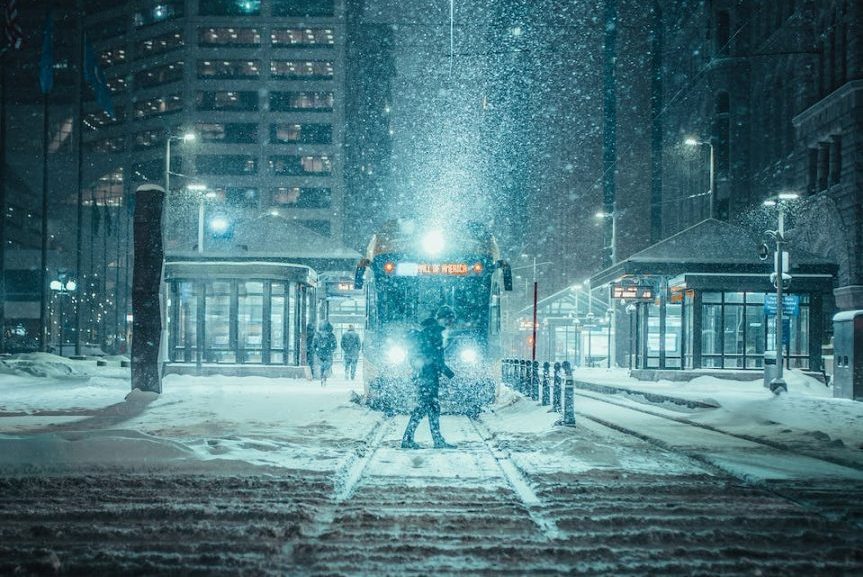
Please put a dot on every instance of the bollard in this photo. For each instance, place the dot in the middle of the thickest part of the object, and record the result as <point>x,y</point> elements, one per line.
<point>557,381</point>
<point>522,376</point>
<point>546,385</point>
<point>534,381</point>
<point>568,397</point>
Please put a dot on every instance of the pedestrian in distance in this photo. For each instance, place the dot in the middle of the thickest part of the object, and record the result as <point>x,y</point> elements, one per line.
<point>429,365</point>
<point>325,346</point>
<point>310,348</point>
<point>351,345</point>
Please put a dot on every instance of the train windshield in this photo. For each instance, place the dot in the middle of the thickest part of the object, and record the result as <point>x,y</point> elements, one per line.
<point>412,299</point>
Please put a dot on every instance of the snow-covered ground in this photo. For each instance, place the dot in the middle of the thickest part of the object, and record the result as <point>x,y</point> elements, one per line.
<point>61,414</point>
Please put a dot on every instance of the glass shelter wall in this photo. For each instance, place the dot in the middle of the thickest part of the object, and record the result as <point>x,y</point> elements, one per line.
<point>242,321</point>
<point>734,330</point>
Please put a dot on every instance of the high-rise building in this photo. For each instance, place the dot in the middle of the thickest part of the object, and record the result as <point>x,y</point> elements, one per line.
<point>259,82</point>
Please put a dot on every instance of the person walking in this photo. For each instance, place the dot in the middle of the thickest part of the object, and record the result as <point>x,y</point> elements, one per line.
<point>351,345</point>
<point>325,346</point>
<point>430,365</point>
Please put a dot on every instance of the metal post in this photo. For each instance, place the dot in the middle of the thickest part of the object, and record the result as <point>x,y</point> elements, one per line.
<point>777,385</point>
<point>546,393</point>
<point>712,205</point>
<point>168,162</point>
<point>568,398</point>
<point>555,396</point>
<point>534,380</point>
<point>201,225</point>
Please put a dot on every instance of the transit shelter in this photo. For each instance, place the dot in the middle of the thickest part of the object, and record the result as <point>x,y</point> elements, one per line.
<point>237,317</point>
<point>703,299</point>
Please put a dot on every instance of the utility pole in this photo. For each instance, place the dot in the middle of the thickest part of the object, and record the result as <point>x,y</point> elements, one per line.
<point>779,276</point>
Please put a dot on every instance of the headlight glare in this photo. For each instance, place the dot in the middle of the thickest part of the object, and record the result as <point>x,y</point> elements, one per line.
<point>396,354</point>
<point>469,355</point>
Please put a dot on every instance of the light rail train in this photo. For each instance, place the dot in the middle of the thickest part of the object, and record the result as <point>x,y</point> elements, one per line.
<point>408,272</point>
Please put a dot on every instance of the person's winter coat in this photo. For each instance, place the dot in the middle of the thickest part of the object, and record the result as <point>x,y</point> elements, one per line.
<point>325,344</point>
<point>351,345</point>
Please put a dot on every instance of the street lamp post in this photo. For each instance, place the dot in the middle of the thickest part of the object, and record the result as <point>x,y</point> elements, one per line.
<point>779,276</point>
<point>612,320</point>
<point>202,198</point>
<point>186,137</point>
<point>62,287</point>
<point>613,216</point>
<point>535,295</point>
<point>692,141</point>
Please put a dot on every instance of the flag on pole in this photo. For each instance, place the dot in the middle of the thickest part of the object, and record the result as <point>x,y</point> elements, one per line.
<point>46,61</point>
<point>94,76</point>
<point>12,29</point>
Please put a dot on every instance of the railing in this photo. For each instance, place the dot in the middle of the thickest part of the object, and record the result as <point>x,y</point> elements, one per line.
<point>548,388</point>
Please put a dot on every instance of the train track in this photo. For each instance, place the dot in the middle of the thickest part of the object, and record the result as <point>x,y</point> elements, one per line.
<point>827,486</point>
<point>481,509</point>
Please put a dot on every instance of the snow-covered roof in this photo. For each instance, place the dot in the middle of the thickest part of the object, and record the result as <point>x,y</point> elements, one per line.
<point>709,246</point>
<point>274,236</point>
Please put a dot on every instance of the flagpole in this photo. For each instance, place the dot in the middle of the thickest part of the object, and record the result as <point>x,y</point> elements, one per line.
<point>43,305</point>
<point>79,247</point>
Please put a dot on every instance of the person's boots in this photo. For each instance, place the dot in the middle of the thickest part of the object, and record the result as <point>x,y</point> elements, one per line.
<point>408,437</point>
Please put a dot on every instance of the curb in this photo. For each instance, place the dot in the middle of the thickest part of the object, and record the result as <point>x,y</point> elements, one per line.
<point>651,397</point>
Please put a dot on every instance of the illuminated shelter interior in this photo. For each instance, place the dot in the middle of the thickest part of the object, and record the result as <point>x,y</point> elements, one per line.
<point>706,307</point>
<point>236,317</point>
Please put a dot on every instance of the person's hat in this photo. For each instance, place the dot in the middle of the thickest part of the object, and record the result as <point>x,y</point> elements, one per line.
<point>445,312</point>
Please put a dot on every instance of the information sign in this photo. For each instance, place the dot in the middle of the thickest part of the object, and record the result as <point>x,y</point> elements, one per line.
<point>790,305</point>
<point>633,292</point>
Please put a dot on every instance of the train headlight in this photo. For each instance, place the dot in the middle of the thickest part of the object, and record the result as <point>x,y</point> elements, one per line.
<point>433,242</point>
<point>469,355</point>
<point>396,354</point>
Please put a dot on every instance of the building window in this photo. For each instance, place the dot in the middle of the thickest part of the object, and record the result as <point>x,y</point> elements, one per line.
<point>723,32</point>
<point>158,106</point>
<point>229,7</point>
<point>314,165</point>
<point>159,13</point>
<point>303,37</point>
<point>293,101</point>
<point>302,197</point>
<point>230,164</point>
<point>112,57</point>
<point>302,69</point>
<point>100,118</point>
<point>240,197</point>
<point>307,8</point>
<point>227,100</point>
<point>228,133</point>
<point>289,133</point>
<point>107,145</point>
<point>722,135</point>
<point>159,44</point>
<point>229,37</point>
<point>160,75</point>
<point>116,85</point>
<point>233,69</point>
<point>107,29</point>
<point>836,160</point>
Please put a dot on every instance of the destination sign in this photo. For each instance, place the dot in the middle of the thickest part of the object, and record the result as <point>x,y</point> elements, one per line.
<point>432,269</point>
<point>632,292</point>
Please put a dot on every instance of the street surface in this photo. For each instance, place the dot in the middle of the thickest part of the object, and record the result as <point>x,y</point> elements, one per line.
<point>625,492</point>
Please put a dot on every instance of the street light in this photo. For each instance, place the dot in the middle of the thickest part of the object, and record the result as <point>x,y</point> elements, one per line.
<point>63,287</point>
<point>779,276</point>
<point>613,216</point>
<point>692,141</point>
<point>185,137</point>
<point>202,197</point>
